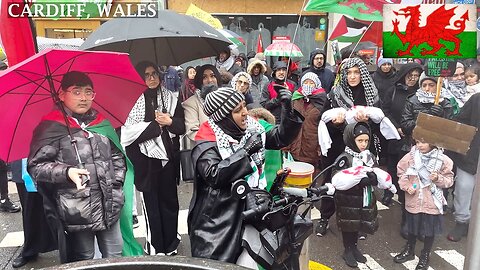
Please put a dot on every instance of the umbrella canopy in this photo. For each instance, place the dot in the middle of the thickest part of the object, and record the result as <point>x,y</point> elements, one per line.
<point>235,38</point>
<point>28,90</point>
<point>283,49</point>
<point>170,39</point>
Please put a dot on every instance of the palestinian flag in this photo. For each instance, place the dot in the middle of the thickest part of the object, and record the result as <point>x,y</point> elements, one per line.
<point>348,30</point>
<point>441,31</point>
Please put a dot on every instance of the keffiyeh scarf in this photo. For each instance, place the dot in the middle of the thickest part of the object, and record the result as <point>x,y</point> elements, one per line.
<point>342,94</point>
<point>427,97</point>
<point>135,125</point>
<point>424,165</point>
<point>227,146</point>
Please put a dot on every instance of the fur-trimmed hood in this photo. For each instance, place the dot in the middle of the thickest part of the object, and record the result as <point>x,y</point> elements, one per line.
<point>254,63</point>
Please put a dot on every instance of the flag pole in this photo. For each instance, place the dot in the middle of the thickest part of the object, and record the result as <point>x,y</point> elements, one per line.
<point>363,34</point>
<point>294,36</point>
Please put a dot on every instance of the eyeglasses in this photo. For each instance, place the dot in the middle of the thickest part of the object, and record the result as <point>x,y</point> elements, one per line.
<point>148,76</point>
<point>413,76</point>
<point>79,94</point>
<point>242,82</point>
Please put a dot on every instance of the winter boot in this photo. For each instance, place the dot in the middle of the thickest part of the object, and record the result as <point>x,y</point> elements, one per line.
<point>423,261</point>
<point>460,230</point>
<point>407,254</point>
<point>357,254</point>
<point>349,258</point>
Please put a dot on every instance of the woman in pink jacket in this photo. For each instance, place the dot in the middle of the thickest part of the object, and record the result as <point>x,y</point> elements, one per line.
<point>423,172</point>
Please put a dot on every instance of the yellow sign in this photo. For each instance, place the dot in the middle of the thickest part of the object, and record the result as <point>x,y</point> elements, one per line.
<point>204,16</point>
<point>319,35</point>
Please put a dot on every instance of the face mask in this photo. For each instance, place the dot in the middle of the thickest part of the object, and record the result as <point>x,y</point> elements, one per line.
<point>307,90</point>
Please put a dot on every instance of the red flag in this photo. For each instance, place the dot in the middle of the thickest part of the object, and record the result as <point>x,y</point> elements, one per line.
<point>374,34</point>
<point>16,34</point>
<point>259,44</point>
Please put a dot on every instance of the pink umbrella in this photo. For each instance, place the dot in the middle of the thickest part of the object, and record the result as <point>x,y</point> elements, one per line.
<point>283,48</point>
<point>29,88</point>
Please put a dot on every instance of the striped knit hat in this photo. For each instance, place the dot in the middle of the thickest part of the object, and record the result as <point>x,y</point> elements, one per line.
<point>220,103</point>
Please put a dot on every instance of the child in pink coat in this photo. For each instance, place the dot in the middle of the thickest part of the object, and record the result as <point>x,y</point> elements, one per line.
<point>423,172</point>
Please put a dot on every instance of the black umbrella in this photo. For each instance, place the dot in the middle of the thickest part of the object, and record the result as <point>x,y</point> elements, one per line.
<point>170,39</point>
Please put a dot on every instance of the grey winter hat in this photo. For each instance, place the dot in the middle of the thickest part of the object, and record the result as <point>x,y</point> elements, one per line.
<point>219,104</point>
<point>424,77</point>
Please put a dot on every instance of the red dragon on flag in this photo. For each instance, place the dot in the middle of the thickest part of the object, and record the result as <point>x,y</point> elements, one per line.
<point>431,33</point>
<point>436,34</point>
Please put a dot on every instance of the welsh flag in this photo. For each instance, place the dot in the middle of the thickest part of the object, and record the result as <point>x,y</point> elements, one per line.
<point>440,31</point>
<point>367,10</point>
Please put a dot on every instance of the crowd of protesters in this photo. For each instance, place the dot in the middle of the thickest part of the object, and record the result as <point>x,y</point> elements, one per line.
<point>231,114</point>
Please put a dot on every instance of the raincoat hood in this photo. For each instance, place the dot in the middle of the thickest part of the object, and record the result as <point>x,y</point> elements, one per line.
<point>405,69</point>
<point>314,53</point>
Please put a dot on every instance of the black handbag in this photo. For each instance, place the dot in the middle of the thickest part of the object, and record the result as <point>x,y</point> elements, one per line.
<point>186,164</point>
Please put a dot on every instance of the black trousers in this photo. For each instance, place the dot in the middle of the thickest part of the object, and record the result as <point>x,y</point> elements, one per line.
<point>392,162</point>
<point>161,206</point>
<point>3,184</point>
<point>39,238</point>
<point>350,239</point>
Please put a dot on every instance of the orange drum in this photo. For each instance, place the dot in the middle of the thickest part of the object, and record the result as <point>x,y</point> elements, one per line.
<point>300,175</point>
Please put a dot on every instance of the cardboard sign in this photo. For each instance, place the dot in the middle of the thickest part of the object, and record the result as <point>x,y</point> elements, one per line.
<point>441,132</point>
<point>440,67</point>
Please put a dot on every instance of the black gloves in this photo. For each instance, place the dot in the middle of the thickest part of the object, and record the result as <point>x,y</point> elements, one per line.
<point>284,96</point>
<point>436,110</point>
<point>253,144</point>
<point>370,180</point>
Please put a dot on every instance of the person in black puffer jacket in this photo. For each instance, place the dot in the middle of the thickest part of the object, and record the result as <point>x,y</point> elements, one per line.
<point>353,216</point>
<point>423,101</point>
<point>82,211</point>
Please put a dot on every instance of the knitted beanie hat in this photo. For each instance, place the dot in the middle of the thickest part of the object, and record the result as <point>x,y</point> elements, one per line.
<point>220,103</point>
<point>311,76</point>
<point>382,61</point>
<point>424,77</point>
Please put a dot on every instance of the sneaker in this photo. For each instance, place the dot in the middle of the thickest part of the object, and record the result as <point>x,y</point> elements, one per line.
<point>135,222</point>
<point>8,206</point>
<point>322,227</point>
<point>362,236</point>
<point>349,258</point>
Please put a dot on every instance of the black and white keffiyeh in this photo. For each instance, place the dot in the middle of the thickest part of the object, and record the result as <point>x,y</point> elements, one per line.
<point>427,97</point>
<point>424,166</point>
<point>343,93</point>
<point>227,146</point>
<point>135,125</point>
<point>362,158</point>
